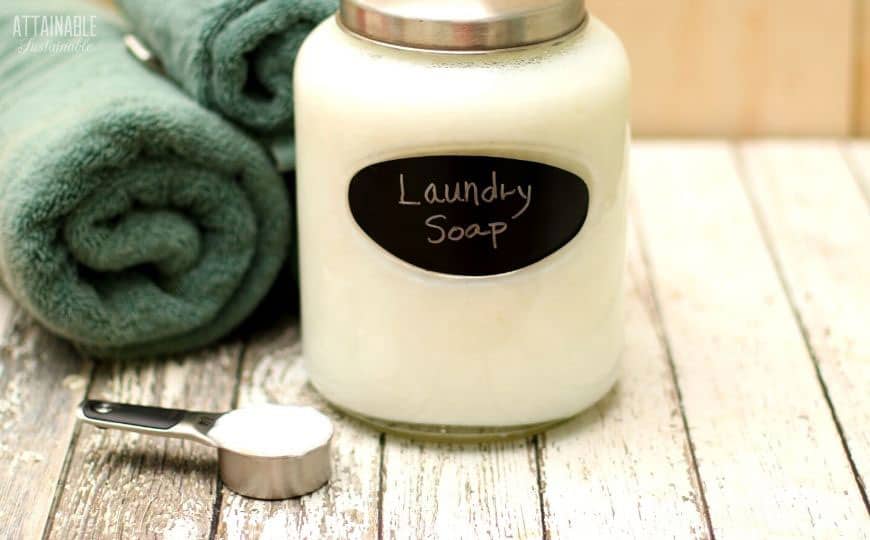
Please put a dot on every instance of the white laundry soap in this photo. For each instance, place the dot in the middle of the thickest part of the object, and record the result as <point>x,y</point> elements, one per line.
<point>272,430</point>
<point>462,211</point>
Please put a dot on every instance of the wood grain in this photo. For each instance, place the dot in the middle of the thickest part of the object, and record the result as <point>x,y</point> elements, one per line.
<point>819,233</point>
<point>738,67</point>
<point>460,491</point>
<point>126,485</point>
<point>769,455</point>
<point>743,327</point>
<point>862,66</point>
<point>348,508</point>
<point>41,381</point>
<point>624,469</point>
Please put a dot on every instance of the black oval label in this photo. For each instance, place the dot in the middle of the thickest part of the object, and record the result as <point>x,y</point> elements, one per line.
<point>469,215</point>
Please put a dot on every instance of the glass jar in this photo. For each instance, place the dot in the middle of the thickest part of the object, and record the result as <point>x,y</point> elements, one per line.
<point>462,212</point>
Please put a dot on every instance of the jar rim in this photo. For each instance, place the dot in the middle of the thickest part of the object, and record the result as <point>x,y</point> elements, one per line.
<point>462,25</point>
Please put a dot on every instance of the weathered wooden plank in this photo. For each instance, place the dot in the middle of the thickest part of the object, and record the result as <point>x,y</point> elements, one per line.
<point>738,67</point>
<point>769,456</point>
<point>818,226</point>
<point>41,380</point>
<point>460,491</point>
<point>126,485</point>
<point>624,469</point>
<point>348,508</point>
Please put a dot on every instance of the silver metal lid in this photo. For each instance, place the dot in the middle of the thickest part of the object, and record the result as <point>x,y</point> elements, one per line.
<point>462,25</point>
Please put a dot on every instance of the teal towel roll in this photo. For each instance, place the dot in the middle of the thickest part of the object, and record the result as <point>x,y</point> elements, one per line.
<point>132,221</point>
<point>233,56</point>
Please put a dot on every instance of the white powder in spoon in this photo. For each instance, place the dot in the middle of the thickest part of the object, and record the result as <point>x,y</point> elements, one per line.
<point>272,430</point>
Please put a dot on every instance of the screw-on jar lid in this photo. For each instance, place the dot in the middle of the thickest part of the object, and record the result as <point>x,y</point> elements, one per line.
<point>462,25</point>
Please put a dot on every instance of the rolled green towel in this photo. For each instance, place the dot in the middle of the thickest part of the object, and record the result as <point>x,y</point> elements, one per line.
<point>132,221</point>
<point>234,56</point>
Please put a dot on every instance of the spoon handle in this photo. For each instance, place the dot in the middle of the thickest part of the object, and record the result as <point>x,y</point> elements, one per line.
<point>170,423</point>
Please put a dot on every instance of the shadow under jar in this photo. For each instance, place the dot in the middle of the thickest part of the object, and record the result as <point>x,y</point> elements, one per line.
<point>462,212</point>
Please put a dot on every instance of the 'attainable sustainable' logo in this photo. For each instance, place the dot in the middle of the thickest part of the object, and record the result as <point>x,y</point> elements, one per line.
<point>54,34</point>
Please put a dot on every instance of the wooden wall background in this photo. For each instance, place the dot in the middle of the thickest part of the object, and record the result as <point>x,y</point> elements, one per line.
<point>862,62</point>
<point>746,67</point>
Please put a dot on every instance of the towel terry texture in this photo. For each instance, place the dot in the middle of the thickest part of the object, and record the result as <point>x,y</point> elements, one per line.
<point>132,221</point>
<point>233,56</point>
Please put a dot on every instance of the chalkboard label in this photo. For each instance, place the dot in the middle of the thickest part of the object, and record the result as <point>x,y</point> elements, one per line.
<point>469,215</point>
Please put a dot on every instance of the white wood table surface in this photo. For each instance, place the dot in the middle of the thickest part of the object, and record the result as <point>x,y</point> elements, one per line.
<point>743,412</point>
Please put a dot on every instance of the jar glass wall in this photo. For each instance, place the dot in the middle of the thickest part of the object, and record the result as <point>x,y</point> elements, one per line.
<point>430,352</point>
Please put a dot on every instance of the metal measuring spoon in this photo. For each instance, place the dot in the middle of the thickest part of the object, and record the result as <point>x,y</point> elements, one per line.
<point>259,477</point>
